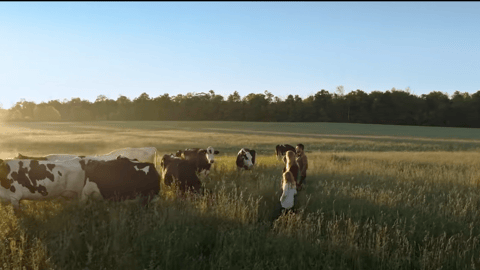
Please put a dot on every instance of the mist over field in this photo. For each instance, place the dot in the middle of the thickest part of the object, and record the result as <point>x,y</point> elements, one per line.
<point>384,197</point>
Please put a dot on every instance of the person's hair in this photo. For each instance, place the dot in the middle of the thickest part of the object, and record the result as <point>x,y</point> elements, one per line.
<point>288,178</point>
<point>290,158</point>
<point>301,146</point>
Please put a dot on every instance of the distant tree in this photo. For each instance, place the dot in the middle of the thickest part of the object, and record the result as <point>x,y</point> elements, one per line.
<point>359,104</point>
<point>436,109</point>
<point>25,108</point>
<point>462,113</point>
<point>234,109</point>
<point>322,103</point>
<point>44,112</point>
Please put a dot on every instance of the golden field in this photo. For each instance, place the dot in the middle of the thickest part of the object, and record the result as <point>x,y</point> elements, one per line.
<point>398,199</point>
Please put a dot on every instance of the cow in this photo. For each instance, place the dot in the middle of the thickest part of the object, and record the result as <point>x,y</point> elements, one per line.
<point>119,179</point>
<point>40,180</point>
<point>181,172</point>
<point>245,159</point>
<point>201,158</point>
<point>281,149</point>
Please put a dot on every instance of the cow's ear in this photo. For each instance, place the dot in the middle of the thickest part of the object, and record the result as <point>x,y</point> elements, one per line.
<point>252,152</point>
<point>216,152</point>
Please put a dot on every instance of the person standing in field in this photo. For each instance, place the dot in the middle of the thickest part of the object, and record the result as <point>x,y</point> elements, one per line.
<point>287,200</point>
<point>302,162</point>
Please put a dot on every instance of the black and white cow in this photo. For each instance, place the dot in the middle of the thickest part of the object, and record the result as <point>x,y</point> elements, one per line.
<point>40,180</point>
<point>245,159</point>
<point>181,172</point>
<point>281,149</point>
<point>120,179</point>
<point>201,158</point>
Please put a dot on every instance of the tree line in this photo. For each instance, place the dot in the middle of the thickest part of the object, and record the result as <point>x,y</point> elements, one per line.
<point>398,107</point>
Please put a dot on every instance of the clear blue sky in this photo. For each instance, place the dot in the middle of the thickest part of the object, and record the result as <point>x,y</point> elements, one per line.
<point>64,50</point>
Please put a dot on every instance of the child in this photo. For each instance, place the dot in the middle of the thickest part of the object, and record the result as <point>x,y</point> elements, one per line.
<point>302,164</point>
<point>287,199</point>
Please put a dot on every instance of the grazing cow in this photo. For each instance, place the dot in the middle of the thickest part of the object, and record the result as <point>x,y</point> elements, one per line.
<point>245,159</point>
<point>201,158</point>
<point>39,180</point>
<point>120,179</point>
<point>180,171</point>
<point>281,149</point>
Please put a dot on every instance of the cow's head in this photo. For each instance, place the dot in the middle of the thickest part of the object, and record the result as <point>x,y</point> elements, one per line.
<point>210,154</point>
<point>166,160</point>
<point>247,156</point>
<point>278,152</point>
<point>178,153</point>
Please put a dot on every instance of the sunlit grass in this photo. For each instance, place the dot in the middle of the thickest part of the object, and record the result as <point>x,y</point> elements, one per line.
<point>390,209</point>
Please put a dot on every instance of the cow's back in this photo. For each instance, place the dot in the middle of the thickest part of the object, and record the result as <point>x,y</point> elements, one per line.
<point>145,154</point>
<point>123,179</point>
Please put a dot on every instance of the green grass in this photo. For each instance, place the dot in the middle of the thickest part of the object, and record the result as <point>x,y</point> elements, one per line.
<point>370,203</point>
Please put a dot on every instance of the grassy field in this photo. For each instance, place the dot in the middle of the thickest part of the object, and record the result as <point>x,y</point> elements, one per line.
<point>377,197</point>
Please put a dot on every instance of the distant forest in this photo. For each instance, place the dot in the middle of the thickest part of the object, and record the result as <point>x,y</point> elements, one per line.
<point>397,107</point>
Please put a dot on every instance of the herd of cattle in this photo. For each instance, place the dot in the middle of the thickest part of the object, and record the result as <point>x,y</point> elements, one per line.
<point>119,175</point>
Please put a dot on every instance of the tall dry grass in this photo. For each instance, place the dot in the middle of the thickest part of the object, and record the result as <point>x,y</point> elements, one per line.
<point>359,211</point>
<point>395,209</point>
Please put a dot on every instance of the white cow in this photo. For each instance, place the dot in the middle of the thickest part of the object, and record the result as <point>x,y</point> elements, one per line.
<point>28,179</point>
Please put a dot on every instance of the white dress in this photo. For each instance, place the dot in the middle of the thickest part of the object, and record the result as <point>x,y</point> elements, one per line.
<point>287,198</point>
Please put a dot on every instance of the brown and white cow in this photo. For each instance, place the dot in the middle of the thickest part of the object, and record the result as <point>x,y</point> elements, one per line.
<point>40,180</point>
<point>120,179</point>
<point>245,159</point>
<point>281,149</point>
<point>202,159</point>
<point>181,172</point>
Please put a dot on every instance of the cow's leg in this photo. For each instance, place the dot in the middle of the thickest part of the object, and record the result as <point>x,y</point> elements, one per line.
<point>91,190</point>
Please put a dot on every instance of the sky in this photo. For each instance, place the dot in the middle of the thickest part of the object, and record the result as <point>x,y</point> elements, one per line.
<point>64,50</point>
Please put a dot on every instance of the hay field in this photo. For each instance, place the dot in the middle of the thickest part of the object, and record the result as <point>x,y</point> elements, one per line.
<point>391,198</point>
